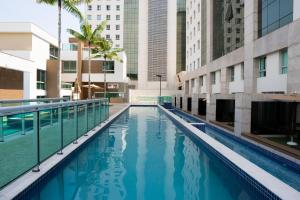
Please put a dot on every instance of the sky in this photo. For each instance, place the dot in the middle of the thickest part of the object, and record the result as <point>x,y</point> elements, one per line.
<point>42,15</point>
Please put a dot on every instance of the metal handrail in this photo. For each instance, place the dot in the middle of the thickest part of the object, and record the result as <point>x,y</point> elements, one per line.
<point>32,100</point>
<point>4,111</point>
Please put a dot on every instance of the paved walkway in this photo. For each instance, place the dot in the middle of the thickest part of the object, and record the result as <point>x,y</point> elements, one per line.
<point>114,108</point>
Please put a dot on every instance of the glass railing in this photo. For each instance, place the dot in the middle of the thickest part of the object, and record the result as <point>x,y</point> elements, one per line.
<point>22,102</point>
<point>164,100</point>
<point>30,134</point>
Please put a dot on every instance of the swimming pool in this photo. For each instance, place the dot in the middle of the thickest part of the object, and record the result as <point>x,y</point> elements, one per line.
<point>142,155</point>
<point>280,169</point>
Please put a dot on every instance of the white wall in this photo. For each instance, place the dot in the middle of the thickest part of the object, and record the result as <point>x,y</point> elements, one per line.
<point>238,84</point>
<point>296,9</point>
<point>29,72</point>
<point>274,81</point>
<point>216,88</point>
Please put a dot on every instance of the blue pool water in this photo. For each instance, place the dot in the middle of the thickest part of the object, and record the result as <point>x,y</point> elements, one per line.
<point>143,155</point>
<point>280,170</point>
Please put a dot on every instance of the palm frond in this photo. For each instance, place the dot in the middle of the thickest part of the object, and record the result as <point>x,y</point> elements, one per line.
<point>50,2</point>
<point>99,29</point>
<point>71,8</point>
<point>76,34</point>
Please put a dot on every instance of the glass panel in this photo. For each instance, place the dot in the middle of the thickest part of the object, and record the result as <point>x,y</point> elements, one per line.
<point>69,130</point>
<point>15,159</point>
<point>81,120</point>
<point>50,138</point>
<point>90,116</point>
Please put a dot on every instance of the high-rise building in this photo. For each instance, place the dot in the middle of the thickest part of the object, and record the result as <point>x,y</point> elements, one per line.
<point>113,12</point>
<point>151,35</point>
<point>242,66</point>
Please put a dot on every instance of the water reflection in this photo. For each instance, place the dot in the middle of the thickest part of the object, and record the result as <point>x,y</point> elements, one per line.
<point>130,161</point>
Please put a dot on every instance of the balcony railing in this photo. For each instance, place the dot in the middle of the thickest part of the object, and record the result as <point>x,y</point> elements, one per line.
<point>20,102</point>
<point>31,134</point>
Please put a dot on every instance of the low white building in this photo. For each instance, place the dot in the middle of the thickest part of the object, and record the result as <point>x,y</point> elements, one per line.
<point>25,50</point>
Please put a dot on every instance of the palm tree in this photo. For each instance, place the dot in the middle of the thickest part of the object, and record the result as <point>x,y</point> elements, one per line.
<point>70,6</point>
<point>103,49</point>
<point>90,37</point>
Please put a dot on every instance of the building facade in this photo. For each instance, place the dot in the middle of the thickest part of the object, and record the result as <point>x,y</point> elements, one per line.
<point>113,12</point>
<point>242,65</point>
<point>150,32</point>
<point>25,50</point>
<point>74,58</point>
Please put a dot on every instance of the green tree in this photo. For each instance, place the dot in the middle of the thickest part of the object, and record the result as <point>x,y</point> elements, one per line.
<point>104,49</point>
<point>89,37</point>
<point>70,6</point>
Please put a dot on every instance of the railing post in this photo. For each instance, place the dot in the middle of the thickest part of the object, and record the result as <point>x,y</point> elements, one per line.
<point>86,118</point>
<point>100,107</point>
<point>107,109</point>
<point>51,115</point>
<point>94,113</point>
<point>1,130</point>
<point>60,125</point>
<point>76,122</point>
<point>23,124</point>
<point>36,129</point>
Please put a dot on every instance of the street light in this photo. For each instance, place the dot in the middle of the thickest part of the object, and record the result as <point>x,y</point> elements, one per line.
<point>159,76</point>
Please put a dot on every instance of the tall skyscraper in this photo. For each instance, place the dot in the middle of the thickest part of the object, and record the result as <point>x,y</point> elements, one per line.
<point>151,33</point>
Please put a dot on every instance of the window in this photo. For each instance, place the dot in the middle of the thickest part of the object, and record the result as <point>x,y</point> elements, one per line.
<point>201,81</point>
<point>98,7</point>
<point>118,7</point>
<point>273,14</point>
<point>108,27</point>
<point>89,7</point>
<point>284,61</point>
<point>198,44</point>
<point>69,66</point>
<point>107,37</point>
<point>109,67</point>
<point>198,63</point>
<point>89,17</point>
<point>262,67</point>
<point>66,86</point>
<point>242,71</point>
<point>41,79</point>
<point>107,17</point>
<point>108,7</point>
<point>117,17</point>
<point>213,78</point>
<point>231,73</point>
<point>117,37</point>
<point>117,27</point>
<point>98,17</point>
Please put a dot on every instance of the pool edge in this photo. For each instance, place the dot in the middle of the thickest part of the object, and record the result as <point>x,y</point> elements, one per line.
<point>262,177</point>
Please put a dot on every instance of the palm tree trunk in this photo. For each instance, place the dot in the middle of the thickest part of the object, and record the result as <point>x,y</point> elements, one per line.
<point>105,79</point>
<point>89,91</point>
<point>59,50</point>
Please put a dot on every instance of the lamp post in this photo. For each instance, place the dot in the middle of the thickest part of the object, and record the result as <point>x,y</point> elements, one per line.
<point>159,76</point>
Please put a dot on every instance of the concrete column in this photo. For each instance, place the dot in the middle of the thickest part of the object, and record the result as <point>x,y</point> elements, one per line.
<point>184,102</point>
<point>243,101</point>
<point>223,81</point>
<point>195,104</point>
<point>293,82</point>
<point>29,85</point>
<point>242,115</point>
<point>211,108</point>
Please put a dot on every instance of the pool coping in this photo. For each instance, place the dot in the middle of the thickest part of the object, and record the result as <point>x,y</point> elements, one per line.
<point>271,183</point>
<point>17,186</point>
